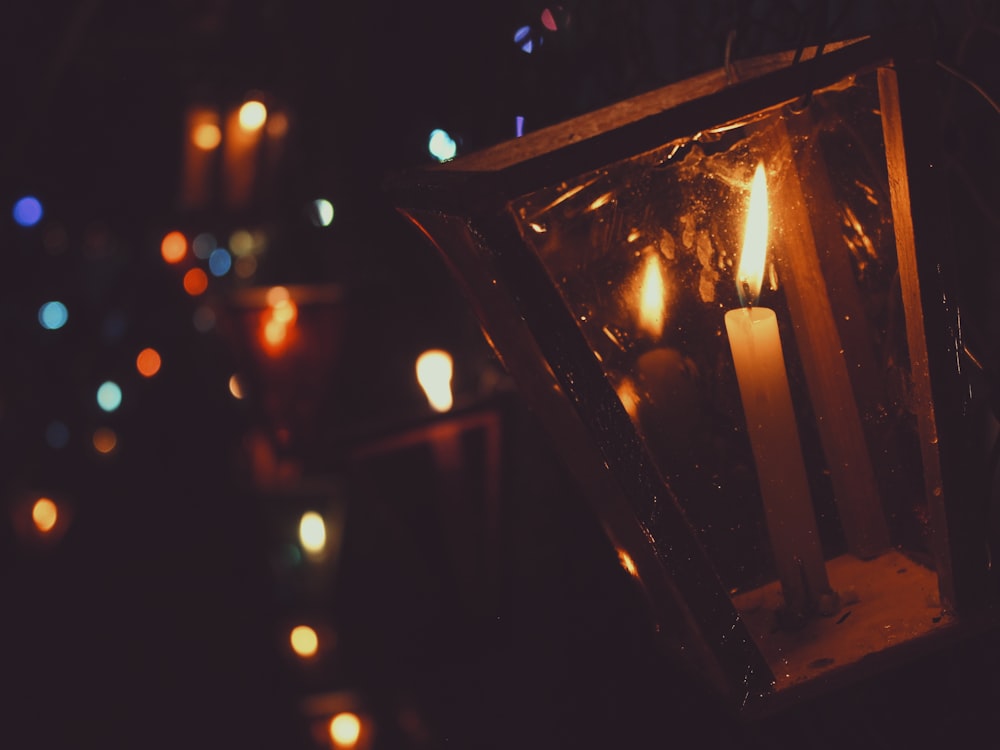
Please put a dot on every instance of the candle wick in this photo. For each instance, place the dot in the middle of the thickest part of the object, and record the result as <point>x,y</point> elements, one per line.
<point>746,294</point>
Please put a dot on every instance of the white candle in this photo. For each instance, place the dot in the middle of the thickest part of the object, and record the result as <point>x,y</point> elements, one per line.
<point>774,436</point>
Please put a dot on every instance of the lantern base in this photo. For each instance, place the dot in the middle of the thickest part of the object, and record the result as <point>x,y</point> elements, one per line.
<point>885,602</point>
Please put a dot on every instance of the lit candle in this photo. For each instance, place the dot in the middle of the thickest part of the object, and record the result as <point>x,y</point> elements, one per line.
<point>774,436</point>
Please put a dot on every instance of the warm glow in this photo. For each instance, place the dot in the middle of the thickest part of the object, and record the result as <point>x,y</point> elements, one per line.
<point>753,258</point>
<point>44,514</point>
<point>148,362</point>
<point>105,440</point>
<point>281,315</point>
<point>304,641</point>
<point>253,115</point>
<point>206,136</point>
<point>312,532</point>
<point>652,298</point>
<point>275,331</point>
<point>345,730</point>
<point>626,560</point>
<point>434,370</point>
<point>629,397</point>
<point>173,247</point>
<point>195,282</point>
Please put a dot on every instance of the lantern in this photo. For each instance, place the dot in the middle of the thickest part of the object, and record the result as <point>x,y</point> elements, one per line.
<point>731,302</point>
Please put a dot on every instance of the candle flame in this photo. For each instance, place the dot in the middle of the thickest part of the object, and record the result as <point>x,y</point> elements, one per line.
<point>750,273</point>
<point>652,298</point>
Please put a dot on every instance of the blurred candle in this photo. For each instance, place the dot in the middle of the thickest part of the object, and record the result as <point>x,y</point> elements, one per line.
<point>774,436</point>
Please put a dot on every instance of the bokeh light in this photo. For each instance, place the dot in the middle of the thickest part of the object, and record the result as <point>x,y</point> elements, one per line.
<point>105,440</point>
<point>345,730</point>
<point>206,136</point>
<point>277,124</point>
<point>441,145</point>
<point>253,115</point>
<point>519,126</point>
<point>203,245</point>
<point>321,213</point>
<point>28,211</point>
<point>173,247</point>
<point>109,396</point>
<point>312,532</point>
<point>57,434</point>
<point>236,387</point>
<point>44,514</point>
<point>148,362</point>
<point>548,20</point>
<point>241,242</point>
<point>304,641</point>
<point>203,319</point>
<point>434,371</point>
<point>53,315</point>
<point>220,261</point>
<point>246,266</point>
<point>195,282</point>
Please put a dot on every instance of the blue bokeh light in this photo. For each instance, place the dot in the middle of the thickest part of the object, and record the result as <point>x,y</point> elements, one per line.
<point>57,434</point>
<point>28,211</point>
<point>220,261</point>
<point>53,315</point>
<point>441,145</point>
<point>109,396</point>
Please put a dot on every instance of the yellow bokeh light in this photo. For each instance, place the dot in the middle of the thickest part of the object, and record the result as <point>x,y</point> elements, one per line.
<point>275,332</point>
<point>44,514</point>
<point>253,115</point>
<point>285,312</point>
<point>345,729</point>
<point>173,248</point>
<point>206,136</point>
<point>312,532</point>
<point>105,440</point>
<point>148,362</point>
<point>276,295</point>
<point>626,561</point>
<point>304,641</point>
<point>652,298</point>
<point>434,371</point>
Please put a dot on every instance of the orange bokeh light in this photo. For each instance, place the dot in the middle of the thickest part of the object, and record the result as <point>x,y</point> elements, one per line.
<point>44,514</point>
<point>278,319</point>
<point>195,282</point>
<point>148,362</point>
<point>173,248</point>
<point>105,440</point>
<point>206,136</point>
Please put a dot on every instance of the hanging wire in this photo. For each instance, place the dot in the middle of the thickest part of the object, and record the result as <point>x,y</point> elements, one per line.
<point>968,81</point>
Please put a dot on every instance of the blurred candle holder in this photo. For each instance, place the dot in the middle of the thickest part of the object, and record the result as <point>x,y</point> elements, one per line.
<point>287,343</point>
<point>601,256</point>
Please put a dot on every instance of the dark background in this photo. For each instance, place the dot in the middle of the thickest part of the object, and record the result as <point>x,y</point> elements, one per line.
<point>159,618</point>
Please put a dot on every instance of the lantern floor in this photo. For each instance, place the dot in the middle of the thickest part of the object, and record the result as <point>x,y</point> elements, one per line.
<point>885,602</point>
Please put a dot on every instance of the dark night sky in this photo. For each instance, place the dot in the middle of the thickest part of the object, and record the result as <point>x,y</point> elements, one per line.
<point>153,623</point>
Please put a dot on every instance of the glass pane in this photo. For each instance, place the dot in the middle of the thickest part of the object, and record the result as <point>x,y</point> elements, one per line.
<point>646,255</point>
